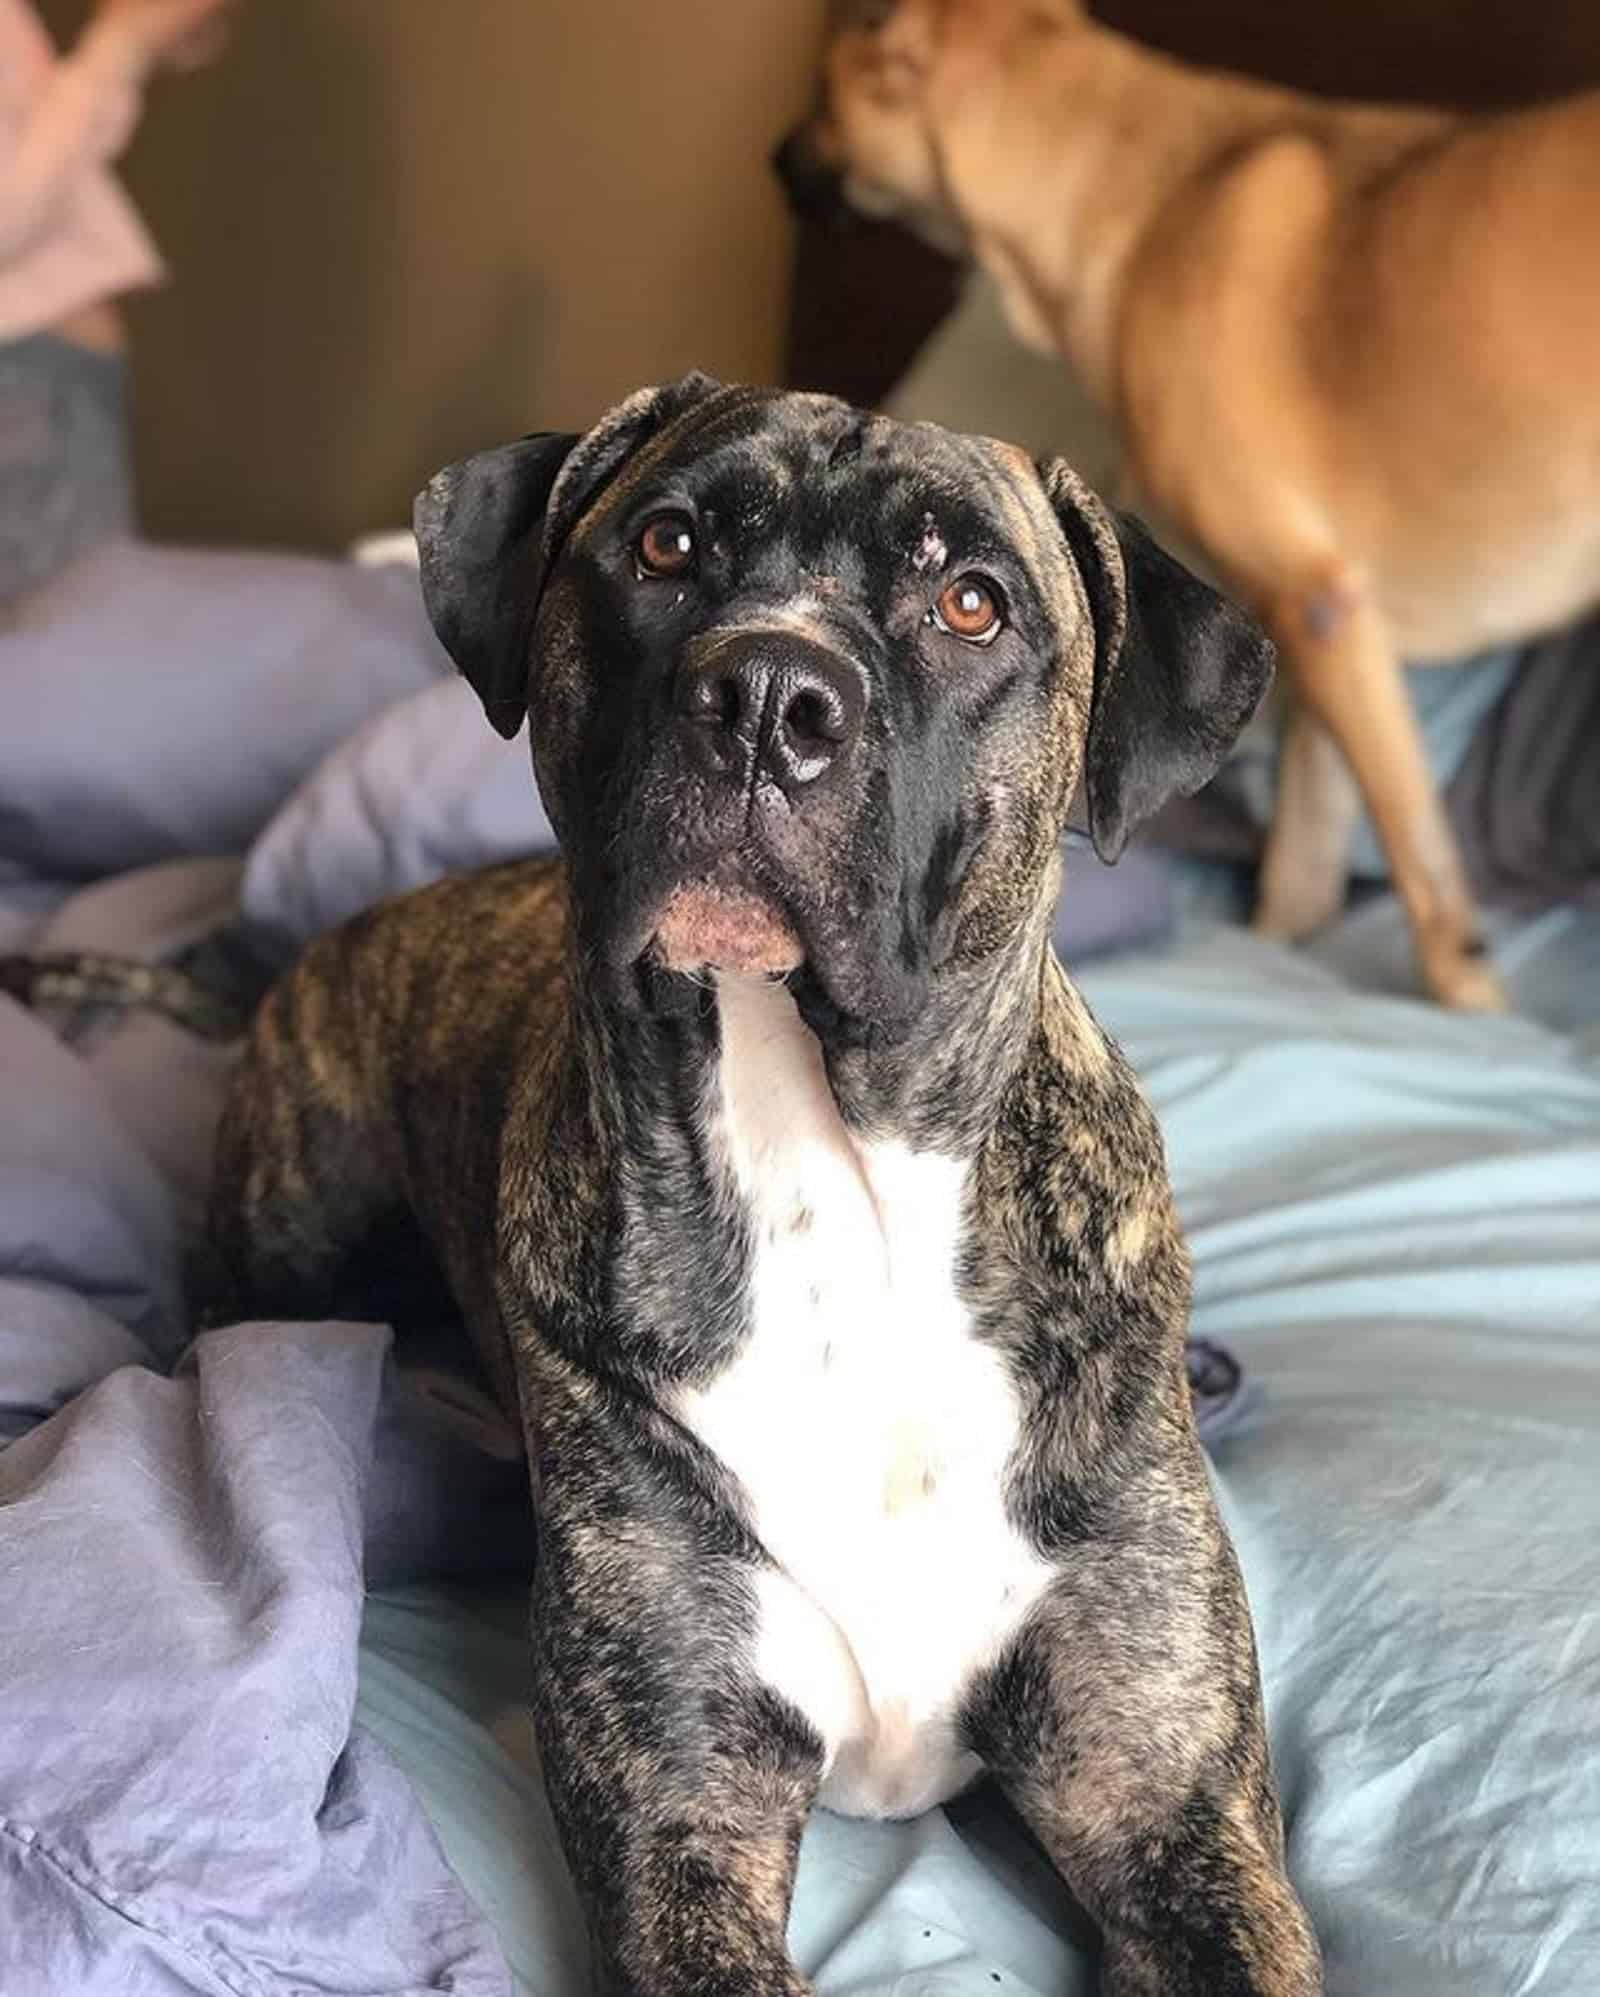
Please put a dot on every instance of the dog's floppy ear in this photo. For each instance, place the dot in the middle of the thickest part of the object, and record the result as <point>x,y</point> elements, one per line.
<point>489,528</point>
<point>480,534</point>
<point>1178,672</point>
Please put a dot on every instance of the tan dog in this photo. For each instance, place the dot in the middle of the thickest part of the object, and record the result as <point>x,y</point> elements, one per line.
<point>1353,352</point>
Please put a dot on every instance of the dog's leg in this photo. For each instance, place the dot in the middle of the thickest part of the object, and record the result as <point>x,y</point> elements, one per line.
<point>1305,865</point>
<point>1126,1727</point>
<point>680,1804</point>
<point>680,1784</point>
<point>1344,667</point>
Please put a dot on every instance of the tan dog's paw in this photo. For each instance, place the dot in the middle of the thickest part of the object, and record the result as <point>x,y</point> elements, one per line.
<point>1466,983</point>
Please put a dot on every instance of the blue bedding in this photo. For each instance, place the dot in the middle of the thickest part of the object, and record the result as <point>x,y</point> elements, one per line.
<point>206,1786</point>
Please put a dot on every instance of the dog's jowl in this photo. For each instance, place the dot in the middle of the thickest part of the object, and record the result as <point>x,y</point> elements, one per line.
<point>790,1192</point>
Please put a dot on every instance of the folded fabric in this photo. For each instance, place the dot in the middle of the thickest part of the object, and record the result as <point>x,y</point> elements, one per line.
<point>185,1807</point>
<point>1526,800</point>
<point>159,702</point>
<point>53,1344</point>
<point>1513,741</point>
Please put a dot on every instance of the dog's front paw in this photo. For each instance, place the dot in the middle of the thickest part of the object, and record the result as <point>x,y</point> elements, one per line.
<point>734,1981</point>
<point>1141,1974</point>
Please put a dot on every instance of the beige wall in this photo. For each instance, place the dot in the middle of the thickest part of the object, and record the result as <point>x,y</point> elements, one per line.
<point>403,228</point>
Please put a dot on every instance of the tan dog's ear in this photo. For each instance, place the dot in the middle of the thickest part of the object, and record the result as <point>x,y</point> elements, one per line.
<point>489,528</point>
<point>1179,670</point>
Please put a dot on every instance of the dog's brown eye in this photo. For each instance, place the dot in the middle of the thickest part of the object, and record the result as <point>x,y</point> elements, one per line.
<point>666,545</point>
<point>969,608</point>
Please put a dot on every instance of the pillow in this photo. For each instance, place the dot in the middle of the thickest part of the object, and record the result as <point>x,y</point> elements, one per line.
<point>424,790</point>
<point>159,702</point>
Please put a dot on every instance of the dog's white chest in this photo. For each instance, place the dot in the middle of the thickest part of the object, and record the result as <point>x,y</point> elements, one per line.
<point>870,1431</point>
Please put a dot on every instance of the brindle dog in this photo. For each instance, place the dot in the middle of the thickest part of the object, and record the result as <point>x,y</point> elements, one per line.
<point>821,1239</point>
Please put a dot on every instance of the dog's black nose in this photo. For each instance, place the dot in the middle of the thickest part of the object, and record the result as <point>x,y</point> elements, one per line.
<point>815,189</point>
<point>772,700</point>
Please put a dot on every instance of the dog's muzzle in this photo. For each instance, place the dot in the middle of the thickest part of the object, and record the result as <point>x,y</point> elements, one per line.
<point>769,704</point>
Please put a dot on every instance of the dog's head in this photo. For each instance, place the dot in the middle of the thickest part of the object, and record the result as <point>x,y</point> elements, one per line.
<point>809,690</point>
<point>894,72</point>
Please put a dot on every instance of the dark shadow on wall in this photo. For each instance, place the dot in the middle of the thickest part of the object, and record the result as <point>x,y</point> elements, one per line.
<point>1468,53</point>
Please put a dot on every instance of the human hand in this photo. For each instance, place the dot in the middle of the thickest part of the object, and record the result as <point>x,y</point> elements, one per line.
<point>162,34</point>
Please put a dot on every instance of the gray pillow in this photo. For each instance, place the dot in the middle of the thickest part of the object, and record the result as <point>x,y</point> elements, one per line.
<point>159,702</point>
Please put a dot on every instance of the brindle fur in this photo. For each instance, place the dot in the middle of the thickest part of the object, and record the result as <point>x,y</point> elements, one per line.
<point>463,1068</point>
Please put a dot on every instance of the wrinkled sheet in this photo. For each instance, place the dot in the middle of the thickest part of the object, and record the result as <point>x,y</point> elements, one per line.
<point>186,1806</point>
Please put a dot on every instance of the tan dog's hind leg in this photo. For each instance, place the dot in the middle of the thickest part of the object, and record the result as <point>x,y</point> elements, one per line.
<point>1304,868</point>
<point>1343,666</point>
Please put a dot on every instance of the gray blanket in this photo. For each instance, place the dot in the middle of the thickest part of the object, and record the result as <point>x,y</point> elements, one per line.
<point>186,1808</point>
<point>1526,798</point>
<point>1512,737</point>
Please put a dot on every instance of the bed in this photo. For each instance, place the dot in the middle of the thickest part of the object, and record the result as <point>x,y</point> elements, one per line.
<point>223,1770</point>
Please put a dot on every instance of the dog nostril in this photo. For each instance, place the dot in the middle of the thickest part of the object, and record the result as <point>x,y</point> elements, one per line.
<point>813,717</point>
<point>819,712</point>
<point>773,703</point>
<point>713,698</point>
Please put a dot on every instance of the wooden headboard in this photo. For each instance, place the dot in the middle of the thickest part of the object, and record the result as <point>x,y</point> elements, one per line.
<point>867,296</point>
